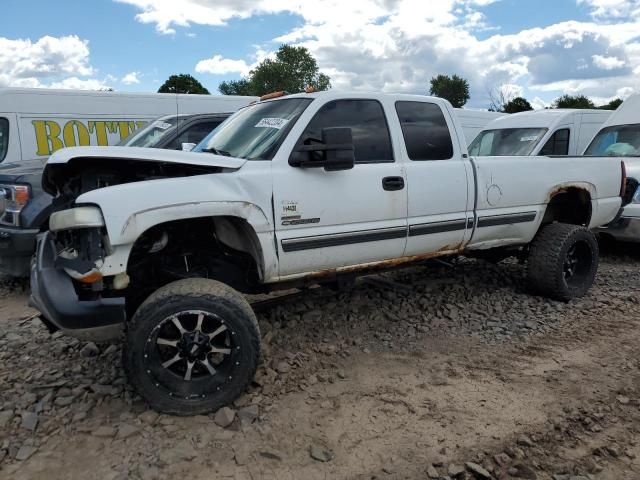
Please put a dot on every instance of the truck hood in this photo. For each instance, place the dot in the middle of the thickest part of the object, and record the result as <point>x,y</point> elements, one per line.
<point>146,155</point>
<point>21,171</point>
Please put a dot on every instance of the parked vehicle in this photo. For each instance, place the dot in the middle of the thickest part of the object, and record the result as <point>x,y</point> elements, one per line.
<point>474,121</point>
<point>620,137</point>
<point>308,188</point>
<point>35,122</point>
<point>25,208</point>
<point>539,132</point>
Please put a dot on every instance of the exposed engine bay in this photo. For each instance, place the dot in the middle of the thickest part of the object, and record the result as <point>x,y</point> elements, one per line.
<point>67,181</point>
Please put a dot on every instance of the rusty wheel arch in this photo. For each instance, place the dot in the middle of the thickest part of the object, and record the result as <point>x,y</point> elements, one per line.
<point>569,204</point>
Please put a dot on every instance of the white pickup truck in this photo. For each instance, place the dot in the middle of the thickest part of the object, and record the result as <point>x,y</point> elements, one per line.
<point>307,188</point>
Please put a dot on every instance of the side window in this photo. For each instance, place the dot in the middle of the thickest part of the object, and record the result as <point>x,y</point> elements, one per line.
<point>558,144</point>
<point>193,134</point>
<point>371,139</point>
<point>425,131</point>
<point>4,137</point>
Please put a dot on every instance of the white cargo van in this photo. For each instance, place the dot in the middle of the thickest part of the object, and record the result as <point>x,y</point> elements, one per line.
<point>36,122</point>
<point>620,137</point>
<point>539,132</point>
<point>474,121</point>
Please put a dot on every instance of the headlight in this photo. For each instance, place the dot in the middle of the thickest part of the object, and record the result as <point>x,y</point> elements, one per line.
<point>636,196</point>
<point>13,198</point>
<point>74,218</point>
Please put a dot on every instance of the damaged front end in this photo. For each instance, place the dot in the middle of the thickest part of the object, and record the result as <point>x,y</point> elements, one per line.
<point>66,283</point>
<point>66,287</point>
<point>78,282</point>
<point>81,242</point>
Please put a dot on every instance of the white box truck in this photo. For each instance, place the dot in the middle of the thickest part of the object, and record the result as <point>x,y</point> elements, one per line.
<point>35,122</point>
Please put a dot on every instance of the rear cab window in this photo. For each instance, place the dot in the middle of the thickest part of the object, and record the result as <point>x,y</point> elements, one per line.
<point>425,131</point>
<point>368,123</point>
<point>4,138</point>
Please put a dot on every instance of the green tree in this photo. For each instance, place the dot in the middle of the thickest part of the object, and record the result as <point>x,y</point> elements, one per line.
<point>236,87</point>
<point>612,105</point>
<point>182,83</point>
<point>573,101</point>
<point>452,88</point>
<point>516,105</point>
<point>293,70</point>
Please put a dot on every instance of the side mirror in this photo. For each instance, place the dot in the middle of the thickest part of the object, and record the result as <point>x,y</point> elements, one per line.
<point>187,147</point>
<point>335,152</point>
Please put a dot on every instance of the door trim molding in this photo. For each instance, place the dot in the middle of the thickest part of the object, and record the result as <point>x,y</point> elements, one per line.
<point>507,219</point>
<point>437,227</point>
<point>339,239</point>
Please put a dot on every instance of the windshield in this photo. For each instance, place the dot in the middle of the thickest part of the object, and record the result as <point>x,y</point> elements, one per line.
<point>507,141</point>
<point>4,137</point>
<point>616,141</point>
<point>255,132</point>
<point>151,134</point>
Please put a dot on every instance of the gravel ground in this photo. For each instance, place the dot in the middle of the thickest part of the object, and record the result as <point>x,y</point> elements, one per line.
<point>439,371</point>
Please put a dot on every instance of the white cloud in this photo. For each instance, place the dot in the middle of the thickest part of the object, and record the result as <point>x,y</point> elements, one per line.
<point>539,104</point>
<point>218,65</point>
<point>607,63</point>
<point>131,78</point>
<point>57,62</point>
<point>76,83</point>
<point>397,45</point>
<point>612,9</point>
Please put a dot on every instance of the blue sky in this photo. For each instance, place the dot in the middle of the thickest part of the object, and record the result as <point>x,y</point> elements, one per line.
<point>539,49</point>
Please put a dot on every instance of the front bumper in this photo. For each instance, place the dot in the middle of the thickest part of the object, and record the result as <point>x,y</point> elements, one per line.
<point>16,249</point>
<point>53,294</point>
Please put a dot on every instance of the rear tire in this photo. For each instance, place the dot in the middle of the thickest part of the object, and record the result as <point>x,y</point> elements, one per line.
<point>563,261</point>
<point>192,347</point>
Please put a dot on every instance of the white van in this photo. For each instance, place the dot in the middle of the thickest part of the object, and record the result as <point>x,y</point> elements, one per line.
<point>620,137</point>
<point>36,122</point>
<point>539,132</point>
<point>474,121</point>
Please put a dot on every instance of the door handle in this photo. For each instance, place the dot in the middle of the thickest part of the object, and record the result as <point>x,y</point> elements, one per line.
<point>392,184</point>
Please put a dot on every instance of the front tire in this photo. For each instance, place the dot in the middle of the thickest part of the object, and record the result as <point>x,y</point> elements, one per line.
<point>192,347</point>
<point>563,261</point>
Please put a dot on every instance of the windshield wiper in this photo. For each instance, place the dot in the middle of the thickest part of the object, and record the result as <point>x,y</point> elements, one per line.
<point>216,151</point>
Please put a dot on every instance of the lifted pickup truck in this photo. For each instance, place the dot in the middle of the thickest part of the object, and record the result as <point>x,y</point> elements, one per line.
<point>307,188</point>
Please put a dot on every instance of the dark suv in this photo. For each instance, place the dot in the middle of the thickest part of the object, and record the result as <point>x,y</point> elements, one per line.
<point>25,208</point>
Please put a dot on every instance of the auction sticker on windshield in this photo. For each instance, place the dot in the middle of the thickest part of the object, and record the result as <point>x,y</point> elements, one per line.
<point>272,122</point>
<point>162,125</point>
<point>529,138</point>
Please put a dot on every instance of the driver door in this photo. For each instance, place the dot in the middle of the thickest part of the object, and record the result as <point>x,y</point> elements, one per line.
<point>328,220</point>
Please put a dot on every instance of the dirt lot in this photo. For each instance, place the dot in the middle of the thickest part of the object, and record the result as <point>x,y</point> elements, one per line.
<point>461,375</point>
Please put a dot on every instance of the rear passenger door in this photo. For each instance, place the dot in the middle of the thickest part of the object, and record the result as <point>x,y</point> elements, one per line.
<point>440,204</point>
<point>327,220</point>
